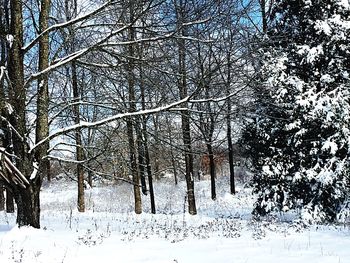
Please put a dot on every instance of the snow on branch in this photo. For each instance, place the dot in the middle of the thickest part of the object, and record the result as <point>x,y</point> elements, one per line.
<point>12,128</point>
<point>2,72</point>
<point>142,40</point>
<point>60,63</point>
<point>65,60</point>
<point>100,105</point>
<point>66,24</point>
<point>196,22</point>
<point>9,171</point>
<point>217,99</point>
<point>78,54</point>
<point>107,120</point>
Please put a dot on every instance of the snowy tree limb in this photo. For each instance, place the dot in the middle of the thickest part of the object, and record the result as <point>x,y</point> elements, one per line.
<point>107,120</point>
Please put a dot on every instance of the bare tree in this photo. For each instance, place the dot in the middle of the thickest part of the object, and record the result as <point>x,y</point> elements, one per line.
<point>180,7</point>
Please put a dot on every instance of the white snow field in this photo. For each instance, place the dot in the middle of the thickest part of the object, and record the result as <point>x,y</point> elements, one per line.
<point>223,230</point>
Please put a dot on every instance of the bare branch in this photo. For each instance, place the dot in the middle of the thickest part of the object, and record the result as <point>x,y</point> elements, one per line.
<point>113,118</point>
<point>66,24</point>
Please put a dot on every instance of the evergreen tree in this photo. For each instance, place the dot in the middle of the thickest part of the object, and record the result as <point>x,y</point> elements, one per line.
<point>300,138</point>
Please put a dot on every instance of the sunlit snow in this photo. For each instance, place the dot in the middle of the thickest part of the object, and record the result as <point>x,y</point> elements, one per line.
<point>223,230</point>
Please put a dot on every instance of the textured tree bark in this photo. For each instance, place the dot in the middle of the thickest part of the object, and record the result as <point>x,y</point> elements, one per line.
<point>10,205</point>
<point>42,123</point>
<point>185,117</point>
<point>28,206</point>
<point>28,202</point>
<point>133,167</point>
<point>3,128</point>
<point>132,108</point>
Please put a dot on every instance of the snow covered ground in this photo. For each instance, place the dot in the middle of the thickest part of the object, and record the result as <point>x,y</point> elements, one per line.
<point>223,230</point>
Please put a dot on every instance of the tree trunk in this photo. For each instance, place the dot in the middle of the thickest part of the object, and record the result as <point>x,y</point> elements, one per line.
<point>144,138</point>
<point>173,159</point>
<point>141,156</point>
<point>28,206</point>
<point>212,170</point>
<point>228,124</point>
<point>156,147</point>
<point>42,121</point>
<point>10,205</point>
<point>186,134</point>
<point>90,141</point>
<point>263,15</point>
<point>150,180</point>
<point>71,12</point>
<point>2,197</point>
<point>185,117</point>
<point>49,177</point>
<point>78,140</point>
<point>132,108</point>
<point>133,167</point>
<point>28,202</point>
<point>230,156</point>
<point>148,168</point>
<point>90,174</point>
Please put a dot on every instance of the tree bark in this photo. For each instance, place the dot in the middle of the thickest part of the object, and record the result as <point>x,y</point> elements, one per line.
<point>141,155</point>
<point>78,140</point>
<point>172,156</point>
<point>42,123</point>
<point>156,149</point>
<point>150,179</point>
<point>10,205</point>
<point>71,12</point>
<point>229,129</point>
<point>212,170</point>
<point>2,197</point>
<point>28,202</point>
<point>185,117</point>
<point>144,137</point>
<point>132,108</point>
<point>263,15</point>
<point>28,206</point>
